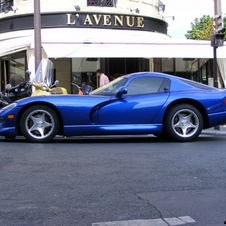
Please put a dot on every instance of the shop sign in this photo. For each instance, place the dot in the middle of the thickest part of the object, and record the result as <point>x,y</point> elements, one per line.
<point>106,20</point>
<point>83,19</point>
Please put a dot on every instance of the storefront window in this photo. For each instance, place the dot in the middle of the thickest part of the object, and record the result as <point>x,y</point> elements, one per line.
<point>17,64</point>
<point>168,66</point>
<point>185,67</point>
<point>204,70</point>
<point>157,65</point>
<point>192,68</point>
<point>197,69</point>
<point>104,3</point>
<point>13,65</point>
<point>84,71</point>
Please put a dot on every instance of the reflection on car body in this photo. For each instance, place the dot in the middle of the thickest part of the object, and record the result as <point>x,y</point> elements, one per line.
<point>167,106</point>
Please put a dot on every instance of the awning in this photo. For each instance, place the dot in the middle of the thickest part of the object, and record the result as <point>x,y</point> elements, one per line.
<point>134,50</point>
<point>14,44</point>
<point>107,43</point>
<point>99,43</point>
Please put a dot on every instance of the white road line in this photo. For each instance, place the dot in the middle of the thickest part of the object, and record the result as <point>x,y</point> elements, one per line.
<point>152,222</point>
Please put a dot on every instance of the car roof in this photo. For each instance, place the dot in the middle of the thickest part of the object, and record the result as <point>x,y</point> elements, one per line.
<point>174,79</point>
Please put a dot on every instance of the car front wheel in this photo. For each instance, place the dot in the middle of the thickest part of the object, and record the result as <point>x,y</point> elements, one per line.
<point>39,124</point>
<point>184,123</point>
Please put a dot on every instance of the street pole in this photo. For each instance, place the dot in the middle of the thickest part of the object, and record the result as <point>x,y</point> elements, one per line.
<point>37,33</point>
<point>215,79</point>
<point>217,40</point>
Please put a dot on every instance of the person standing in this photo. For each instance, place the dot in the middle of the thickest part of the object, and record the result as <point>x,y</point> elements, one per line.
<point>103,79</point>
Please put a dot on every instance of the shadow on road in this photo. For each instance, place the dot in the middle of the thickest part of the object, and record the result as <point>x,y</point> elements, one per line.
<point>115,139</point>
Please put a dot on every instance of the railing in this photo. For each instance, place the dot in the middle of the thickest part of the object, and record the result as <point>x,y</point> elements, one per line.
<point>102,3</point>
<point>6,6</point>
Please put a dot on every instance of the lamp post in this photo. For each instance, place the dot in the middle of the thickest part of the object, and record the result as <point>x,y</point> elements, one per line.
<point>217,39</point>
<point>37,33</point>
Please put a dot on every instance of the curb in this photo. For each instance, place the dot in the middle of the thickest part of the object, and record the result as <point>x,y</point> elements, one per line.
<point>215,131</point>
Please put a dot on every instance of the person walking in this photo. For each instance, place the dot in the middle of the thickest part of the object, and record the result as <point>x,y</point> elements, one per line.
<point>102,78</point>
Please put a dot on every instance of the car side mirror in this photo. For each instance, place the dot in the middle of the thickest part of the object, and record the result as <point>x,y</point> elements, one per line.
<point>121,91</point>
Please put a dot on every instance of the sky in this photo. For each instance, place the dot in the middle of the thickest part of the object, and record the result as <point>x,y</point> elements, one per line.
<point>185,12</point>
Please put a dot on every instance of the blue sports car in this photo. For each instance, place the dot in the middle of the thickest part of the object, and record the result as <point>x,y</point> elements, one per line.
<point>140,103</point>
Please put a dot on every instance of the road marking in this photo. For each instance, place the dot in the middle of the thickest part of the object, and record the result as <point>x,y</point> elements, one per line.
<point>152,222</point>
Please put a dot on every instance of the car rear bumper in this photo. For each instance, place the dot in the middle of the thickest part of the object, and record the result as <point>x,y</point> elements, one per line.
<point>217,119</point>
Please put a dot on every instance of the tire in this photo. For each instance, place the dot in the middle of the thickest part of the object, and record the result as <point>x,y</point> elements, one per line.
<point>184,122</point>
<point>39,124</point>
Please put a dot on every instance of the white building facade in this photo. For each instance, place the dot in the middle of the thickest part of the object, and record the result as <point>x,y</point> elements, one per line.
<point>119,36</point>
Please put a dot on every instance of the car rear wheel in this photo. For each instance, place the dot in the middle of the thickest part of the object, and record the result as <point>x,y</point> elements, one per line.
<point>39,124</point>
<point>184,123</point>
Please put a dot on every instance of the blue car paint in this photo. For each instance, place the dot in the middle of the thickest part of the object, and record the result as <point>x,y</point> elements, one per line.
<point>140,114</point>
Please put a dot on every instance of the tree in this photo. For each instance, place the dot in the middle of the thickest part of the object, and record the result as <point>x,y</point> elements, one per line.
<point>224,30</point>
<point>202,29</point>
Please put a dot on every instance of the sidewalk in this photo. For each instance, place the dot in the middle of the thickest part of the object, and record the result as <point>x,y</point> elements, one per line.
<point>220,130</point>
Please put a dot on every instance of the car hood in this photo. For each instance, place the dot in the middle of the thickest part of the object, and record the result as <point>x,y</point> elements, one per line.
<point>65,100</point>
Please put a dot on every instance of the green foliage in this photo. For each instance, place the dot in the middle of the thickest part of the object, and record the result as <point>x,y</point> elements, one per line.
<point>202,29</point>
<point>224,30</point>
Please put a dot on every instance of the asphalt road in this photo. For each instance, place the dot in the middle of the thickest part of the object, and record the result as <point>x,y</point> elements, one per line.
<point>122,181</point>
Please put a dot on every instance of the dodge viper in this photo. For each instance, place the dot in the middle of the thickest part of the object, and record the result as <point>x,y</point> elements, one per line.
<point>164,105</point>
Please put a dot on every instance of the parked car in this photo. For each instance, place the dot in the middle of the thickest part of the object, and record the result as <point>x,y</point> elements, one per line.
<point>140,103</point>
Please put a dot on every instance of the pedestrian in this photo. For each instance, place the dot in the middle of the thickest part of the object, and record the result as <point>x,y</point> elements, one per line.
<point>103,79</point>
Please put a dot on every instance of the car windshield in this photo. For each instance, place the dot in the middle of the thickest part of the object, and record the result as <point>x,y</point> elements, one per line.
<point>111,88</point>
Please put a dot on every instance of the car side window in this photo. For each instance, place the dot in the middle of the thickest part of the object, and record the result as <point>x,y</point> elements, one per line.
<point>147,85</point>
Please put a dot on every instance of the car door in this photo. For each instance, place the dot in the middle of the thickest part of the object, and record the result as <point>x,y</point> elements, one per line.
<point>145,98</point>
